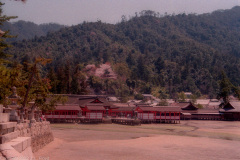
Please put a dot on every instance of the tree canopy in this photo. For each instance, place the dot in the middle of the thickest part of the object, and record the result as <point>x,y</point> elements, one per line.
<point>175,52</point>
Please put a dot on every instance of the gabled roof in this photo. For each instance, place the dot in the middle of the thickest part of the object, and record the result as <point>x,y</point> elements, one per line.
<point>185,105</point>
<point>93,100</point>
<point>231,107</point>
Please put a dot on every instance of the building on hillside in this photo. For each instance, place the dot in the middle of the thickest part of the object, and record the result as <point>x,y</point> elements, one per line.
<point>214,104</point>
<point>188,94</point>
<point>148,97</point>
<point>203,102</point>
<point>113,99</point>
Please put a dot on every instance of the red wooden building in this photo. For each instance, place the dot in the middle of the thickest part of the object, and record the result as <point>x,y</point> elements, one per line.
<point>94,108</point>
<point>64,113</point>
<point>94,112</point>
<point>159,114</point>
<point>127,112</point>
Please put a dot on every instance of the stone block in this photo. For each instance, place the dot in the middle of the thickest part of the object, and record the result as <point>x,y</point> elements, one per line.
<point>18,146</point>
<point>8,125</point>
<point>20,143</point>
<point>11,154</point>
<point>6,131</point>
<point>8,137</point>
<point>6,128</point>
<point>5,147</point>
<point>4,117</point>
<point>25,143</point>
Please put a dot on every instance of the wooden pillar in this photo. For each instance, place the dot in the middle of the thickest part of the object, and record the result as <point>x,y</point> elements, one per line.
<point>160,117</point>
<point>179,116</point>
<point>170,117</point>
<point>165,117</point>
<point>155,116</point>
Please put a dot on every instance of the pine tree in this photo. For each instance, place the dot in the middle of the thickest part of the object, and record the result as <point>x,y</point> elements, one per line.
<point>3,35</point>
<point>5,73</point>
<point>225,88</point>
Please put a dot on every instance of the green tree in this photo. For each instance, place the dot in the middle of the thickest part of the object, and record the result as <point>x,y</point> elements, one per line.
<point>182,97</point>
<point>3,35</point>
<point>6,74</point>
<point>138,96</point>
<point>225,88</point>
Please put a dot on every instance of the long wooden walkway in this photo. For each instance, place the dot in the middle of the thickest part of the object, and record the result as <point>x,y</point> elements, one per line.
<point>126,121</point>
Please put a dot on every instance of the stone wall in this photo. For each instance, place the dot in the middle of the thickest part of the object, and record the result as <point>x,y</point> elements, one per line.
<point>40,133</point>
<point>19,140</point>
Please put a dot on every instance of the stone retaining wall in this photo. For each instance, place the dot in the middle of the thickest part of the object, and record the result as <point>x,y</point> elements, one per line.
<point>40,132</point>
<point>19,141</point>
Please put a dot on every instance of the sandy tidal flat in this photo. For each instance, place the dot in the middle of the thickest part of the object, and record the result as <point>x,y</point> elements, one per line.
<point>196,140</point>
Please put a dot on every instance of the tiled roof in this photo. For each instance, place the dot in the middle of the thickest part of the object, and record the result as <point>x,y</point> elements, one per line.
<point>231,107</point>
<point>68,107</point>
<point>88,101</point>
<point>185,105</point>
<point>121,104</point>
<point>160,109</point>
<point>203,101</point>
<point>124,109</point>
<point>96,108</point>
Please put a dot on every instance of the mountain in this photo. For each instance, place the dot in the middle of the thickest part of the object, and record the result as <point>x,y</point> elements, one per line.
<point>164,55</point>
<point>28,30</point>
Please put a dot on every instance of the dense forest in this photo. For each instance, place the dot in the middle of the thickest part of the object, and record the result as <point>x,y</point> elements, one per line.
<point>150,53</point>
<point>27,30</point>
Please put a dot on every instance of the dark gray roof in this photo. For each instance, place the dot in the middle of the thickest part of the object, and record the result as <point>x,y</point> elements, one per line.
<point>68,107</point>
<point>231,107</point>
<point>160,109</point>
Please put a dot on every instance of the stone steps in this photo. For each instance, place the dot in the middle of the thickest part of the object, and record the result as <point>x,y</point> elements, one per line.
<point>7,132</point>
<point>20,143</point>
<point>15,147</point>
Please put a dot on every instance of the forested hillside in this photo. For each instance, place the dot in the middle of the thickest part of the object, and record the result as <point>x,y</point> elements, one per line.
<point>28,30</point>
<point>150,53</point>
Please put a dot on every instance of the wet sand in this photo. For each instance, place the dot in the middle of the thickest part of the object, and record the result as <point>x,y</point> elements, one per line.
<point>196,140</point>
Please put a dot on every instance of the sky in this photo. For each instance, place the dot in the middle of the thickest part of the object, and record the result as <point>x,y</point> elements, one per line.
<point>72,12</point>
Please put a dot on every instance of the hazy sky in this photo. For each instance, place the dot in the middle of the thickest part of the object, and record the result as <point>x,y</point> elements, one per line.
<point>71,12</point>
